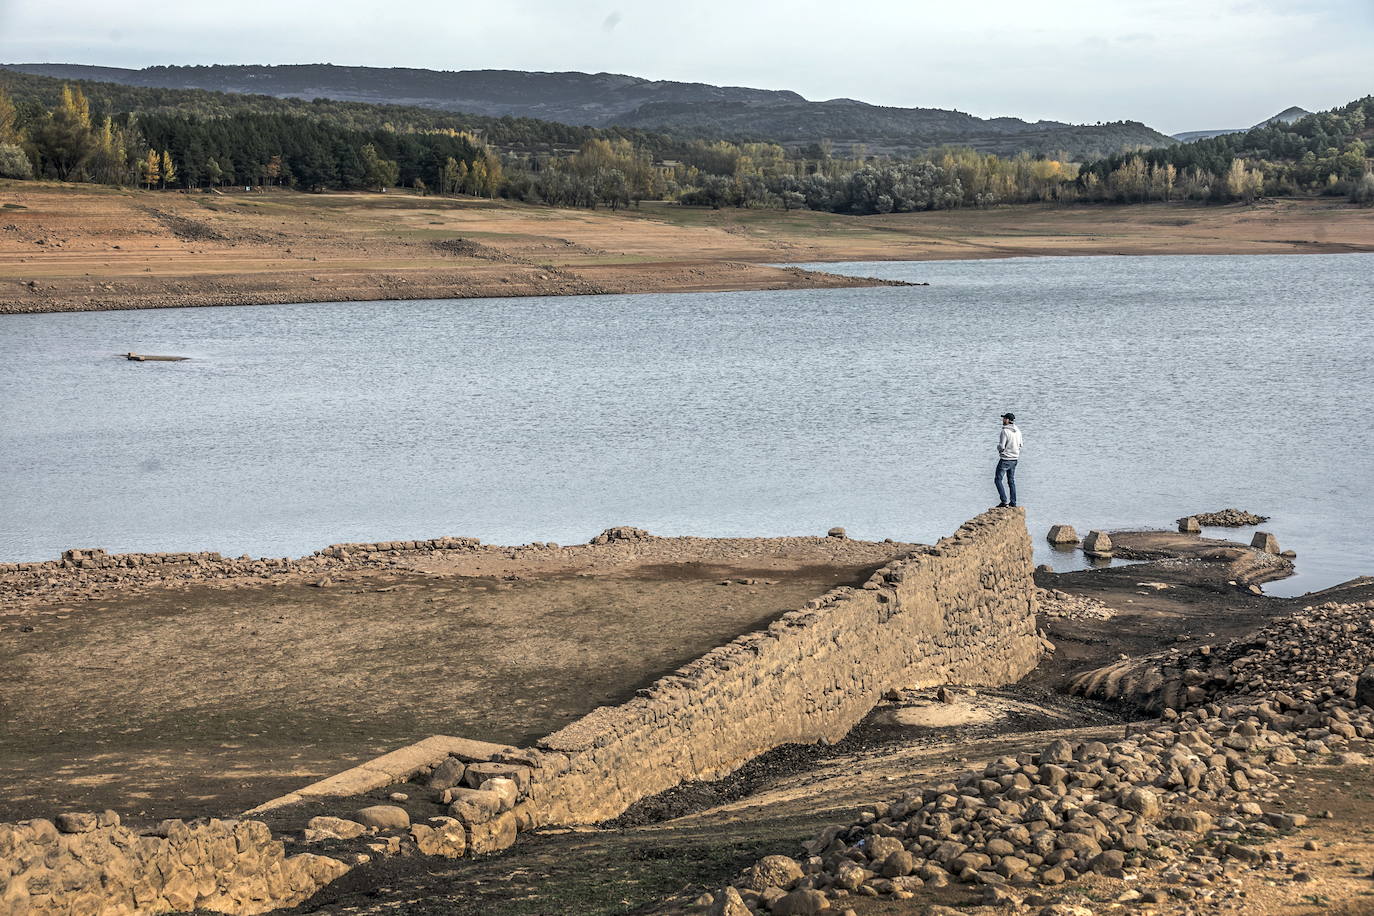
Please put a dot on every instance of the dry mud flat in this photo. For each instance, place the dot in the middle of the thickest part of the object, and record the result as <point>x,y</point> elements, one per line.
<point>207,687</point>
<point>78,248</point>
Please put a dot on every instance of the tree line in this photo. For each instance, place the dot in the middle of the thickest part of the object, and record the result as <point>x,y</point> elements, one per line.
<point>75,140</point>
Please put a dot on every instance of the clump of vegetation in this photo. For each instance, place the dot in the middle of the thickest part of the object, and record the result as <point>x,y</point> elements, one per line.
<point>1325,154</point>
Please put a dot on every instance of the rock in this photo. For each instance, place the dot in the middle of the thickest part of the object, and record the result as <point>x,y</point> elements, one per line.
<point>728,903</point>
<point>898,865</point>
<point>1062,534</point>
<point>443,836</point>
<point>773,871</point>
<point>620,533</point>
<point>1364,687</point>
<point>383,817</point>
<point>1191,821</point>
<point>336,827</point>
<point>473,806</point>
<point>1265,541</point>
<point>493,835</point>
<point>76,823</point>
<point>1142,802</point>
<point>478,773</point>
<point>1289,554</point>
<point>836,532</point>
<point>447,774</point>
<point>502,787</point>
<point>1230,518</point>
<point>1097,544</point>
<point>801,903</point>
<point>1189,525</point>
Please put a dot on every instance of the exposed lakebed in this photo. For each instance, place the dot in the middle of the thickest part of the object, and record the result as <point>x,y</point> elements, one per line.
<point>1147,388</point>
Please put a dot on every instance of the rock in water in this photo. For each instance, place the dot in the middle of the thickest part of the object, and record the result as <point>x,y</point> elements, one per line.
<point>1189,525</point>
<point>1265,541</point>
<point>1062,534</point>
<point>1097,544</point>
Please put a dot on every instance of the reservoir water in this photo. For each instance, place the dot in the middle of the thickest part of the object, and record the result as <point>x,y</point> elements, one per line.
<point>1147,388</point>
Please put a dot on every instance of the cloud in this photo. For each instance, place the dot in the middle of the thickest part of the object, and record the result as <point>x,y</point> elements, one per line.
<point>1175,64</point>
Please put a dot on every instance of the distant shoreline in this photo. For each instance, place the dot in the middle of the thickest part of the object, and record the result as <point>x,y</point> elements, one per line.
<point>65,248</point>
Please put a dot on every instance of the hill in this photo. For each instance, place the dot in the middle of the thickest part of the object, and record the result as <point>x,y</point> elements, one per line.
<point>1287,116</point>
<point>1292,153</point>
<point>607,99</point>
<point>888,130</point>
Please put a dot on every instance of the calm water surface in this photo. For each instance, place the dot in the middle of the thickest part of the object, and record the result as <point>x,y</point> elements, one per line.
<point>1147,388</point>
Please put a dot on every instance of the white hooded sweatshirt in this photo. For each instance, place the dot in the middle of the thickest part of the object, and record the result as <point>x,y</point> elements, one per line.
<point>1009,444</point>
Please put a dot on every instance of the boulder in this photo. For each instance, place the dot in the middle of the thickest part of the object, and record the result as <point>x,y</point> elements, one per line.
<point>1364,687</point>
<point>1189,525</point>
<point>383,817</point>
<point>728,903</point>
<point>772,871</point>
<point>473,806</point>
<point>801,903</point>
<point>478,773</point>
<point>1062,534</point>
<point>836,532</point>
<point>335,827</point>
<point>493,835</point>
<point>1265,541</point>
<point>1097,544</point>
<point>76,823</point>
<point>447,774</point>
<point>443,836</point>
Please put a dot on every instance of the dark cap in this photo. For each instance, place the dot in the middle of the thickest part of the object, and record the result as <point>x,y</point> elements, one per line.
<point>1009,416</point>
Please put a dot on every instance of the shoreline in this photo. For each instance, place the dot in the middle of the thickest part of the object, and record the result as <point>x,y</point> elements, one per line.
<point>66,249</point>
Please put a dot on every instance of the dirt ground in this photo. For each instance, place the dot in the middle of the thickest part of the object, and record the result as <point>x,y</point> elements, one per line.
<point>208,698</point>
<point>695,838</point>
<point>73,247</point>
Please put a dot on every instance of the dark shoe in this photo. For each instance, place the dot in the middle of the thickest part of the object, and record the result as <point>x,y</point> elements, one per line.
<point>1001,505</point>
<point>1013,505</point>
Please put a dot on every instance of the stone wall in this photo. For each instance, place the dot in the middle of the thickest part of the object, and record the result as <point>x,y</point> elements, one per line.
<point>961,612</point>
<point>89,864</point>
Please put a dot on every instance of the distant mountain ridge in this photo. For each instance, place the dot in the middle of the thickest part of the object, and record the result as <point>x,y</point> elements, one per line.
<point>1287,116</point>
<point>604,99</point>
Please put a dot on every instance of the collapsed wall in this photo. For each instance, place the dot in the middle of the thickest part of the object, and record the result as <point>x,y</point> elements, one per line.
<point>87,863</point>
<point>962,612</point>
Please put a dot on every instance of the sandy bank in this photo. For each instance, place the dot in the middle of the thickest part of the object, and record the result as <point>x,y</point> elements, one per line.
<point>76,248</point>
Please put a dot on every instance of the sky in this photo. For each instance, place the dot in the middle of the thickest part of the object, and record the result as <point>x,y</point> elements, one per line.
<point>1174,64</point>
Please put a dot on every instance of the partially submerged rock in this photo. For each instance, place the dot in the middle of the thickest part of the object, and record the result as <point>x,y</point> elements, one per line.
<point>1062,534</point>
<point>1097,544</point>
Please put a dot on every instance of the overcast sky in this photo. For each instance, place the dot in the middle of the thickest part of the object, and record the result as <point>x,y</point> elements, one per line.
<point>1174,64</point>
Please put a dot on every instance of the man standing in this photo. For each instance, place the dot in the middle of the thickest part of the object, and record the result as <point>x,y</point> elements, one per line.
<point>1008,452</point>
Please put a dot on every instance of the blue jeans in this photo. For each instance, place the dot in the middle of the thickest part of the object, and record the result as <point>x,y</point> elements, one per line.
<point>1006,467</point>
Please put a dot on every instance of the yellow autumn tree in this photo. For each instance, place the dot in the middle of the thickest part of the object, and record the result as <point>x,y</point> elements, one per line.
<point>152,169</point>
<point>169,172</point>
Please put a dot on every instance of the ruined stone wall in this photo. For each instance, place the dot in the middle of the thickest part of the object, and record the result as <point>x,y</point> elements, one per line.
<point>87,863</point>
<point>960,612</point>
